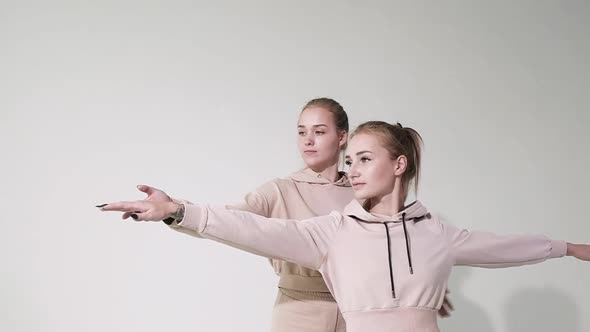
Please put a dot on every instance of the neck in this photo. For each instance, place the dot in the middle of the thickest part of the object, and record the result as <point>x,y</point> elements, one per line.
<point>389,204</point>
<point>329,172</point>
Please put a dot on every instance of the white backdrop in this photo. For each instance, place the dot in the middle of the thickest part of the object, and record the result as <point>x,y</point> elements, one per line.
<point>201,99</point>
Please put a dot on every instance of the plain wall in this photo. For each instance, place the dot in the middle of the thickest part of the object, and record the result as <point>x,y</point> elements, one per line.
<point>201,98</point>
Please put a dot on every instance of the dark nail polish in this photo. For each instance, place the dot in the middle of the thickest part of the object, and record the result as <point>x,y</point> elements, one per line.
<point>134,216</point>
<point>102,205</point>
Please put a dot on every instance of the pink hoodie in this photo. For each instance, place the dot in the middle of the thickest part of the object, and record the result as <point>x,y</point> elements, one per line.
<point>387,273</point>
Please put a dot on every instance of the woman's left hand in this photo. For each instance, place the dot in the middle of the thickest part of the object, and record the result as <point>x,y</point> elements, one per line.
<point>579,251</point>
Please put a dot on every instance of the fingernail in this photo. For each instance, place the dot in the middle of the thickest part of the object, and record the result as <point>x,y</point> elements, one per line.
<point>101,205</point>
<point>134,216</point>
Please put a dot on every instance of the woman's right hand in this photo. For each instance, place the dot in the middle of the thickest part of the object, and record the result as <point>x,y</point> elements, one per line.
<point>143,210</point>
<point>447,306</point>
<point>153,194</point>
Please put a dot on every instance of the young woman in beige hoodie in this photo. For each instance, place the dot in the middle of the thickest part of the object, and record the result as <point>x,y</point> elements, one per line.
<point>316,190</point>
<point>386,263</point>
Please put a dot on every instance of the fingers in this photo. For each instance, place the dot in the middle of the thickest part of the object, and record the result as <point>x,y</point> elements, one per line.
<point>443,312</point>
<point>146,189</point>
<point>446,308</point>
<point>449,304</point>
<point>137,216</point>
<point>140,210</point>
<point>124,206</point>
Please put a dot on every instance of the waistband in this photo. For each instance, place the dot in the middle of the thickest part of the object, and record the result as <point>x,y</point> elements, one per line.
<point>395,319</point>
<point>308,296</point>
<point>301,283</point>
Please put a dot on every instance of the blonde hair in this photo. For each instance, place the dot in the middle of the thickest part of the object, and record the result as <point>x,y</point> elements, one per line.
<point>332,106</point>
<point>398,140</point>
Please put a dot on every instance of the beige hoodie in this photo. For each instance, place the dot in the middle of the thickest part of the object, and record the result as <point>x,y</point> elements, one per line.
<point>387,273</point>
<point>302,195</point>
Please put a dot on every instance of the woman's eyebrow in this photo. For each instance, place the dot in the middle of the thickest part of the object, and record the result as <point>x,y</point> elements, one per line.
<point>314,126</point>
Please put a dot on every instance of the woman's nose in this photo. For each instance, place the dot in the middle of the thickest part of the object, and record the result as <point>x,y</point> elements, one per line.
<point>352,172</point>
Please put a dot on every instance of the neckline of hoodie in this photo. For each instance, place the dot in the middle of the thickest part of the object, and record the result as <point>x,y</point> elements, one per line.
<point>361,213</point>
<point>341,182</point>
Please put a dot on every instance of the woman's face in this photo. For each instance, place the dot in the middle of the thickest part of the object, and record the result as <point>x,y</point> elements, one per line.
<point>372,170</point>
<point>319,141</point>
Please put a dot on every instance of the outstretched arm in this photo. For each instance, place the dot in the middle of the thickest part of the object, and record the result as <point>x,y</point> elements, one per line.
<point>302,242</point>
<point>490,250</point>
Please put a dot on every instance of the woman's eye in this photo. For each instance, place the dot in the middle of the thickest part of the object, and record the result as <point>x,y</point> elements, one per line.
<point>365,159</point>
<point>301,133</point>
<point>319,132</point>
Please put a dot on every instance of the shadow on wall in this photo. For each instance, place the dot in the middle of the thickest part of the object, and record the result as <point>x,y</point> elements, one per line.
<point>468,315</point>
<point>541,310</point>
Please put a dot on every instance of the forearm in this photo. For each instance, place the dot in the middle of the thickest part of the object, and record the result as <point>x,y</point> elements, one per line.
<point>303,242</point>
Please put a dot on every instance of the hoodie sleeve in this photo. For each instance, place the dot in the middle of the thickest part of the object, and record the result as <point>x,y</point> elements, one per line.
<point>302,242</point>
<point>257,202</point>
<point>184,230</point>
<point>489,250</point>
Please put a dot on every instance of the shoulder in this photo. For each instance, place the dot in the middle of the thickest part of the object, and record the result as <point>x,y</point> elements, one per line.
<point>273,188</point>
<point>432,223</point>
<point>274,185</point>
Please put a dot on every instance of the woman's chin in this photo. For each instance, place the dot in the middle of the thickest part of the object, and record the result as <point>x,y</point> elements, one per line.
<point>314,163</point>
<point>359,194</point>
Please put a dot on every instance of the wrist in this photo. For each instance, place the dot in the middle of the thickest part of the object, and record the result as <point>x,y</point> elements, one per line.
<point>175,213</point>
<point>172,208</point>
<point>570,249</point>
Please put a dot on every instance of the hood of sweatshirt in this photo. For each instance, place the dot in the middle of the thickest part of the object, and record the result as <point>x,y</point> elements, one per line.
<point>413,212</point>
<point>307,175</point>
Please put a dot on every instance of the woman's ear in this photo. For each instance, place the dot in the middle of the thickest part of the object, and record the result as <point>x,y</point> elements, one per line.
<point>401,164</point>
<point>343,138</point>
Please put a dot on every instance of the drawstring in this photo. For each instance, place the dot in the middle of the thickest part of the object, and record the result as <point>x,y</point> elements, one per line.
<point>385,223</point>
<point>389,252</point>
<point>407,243</point>
<point>389,256</point>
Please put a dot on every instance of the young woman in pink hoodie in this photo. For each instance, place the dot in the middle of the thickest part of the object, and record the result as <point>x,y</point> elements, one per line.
<point>316,190</point>
<point>386,263</point>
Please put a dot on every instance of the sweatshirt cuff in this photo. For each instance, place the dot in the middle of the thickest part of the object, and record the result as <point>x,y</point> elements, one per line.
<point>195,217</point>
<point>558,249</point>
<point>180,200</point>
